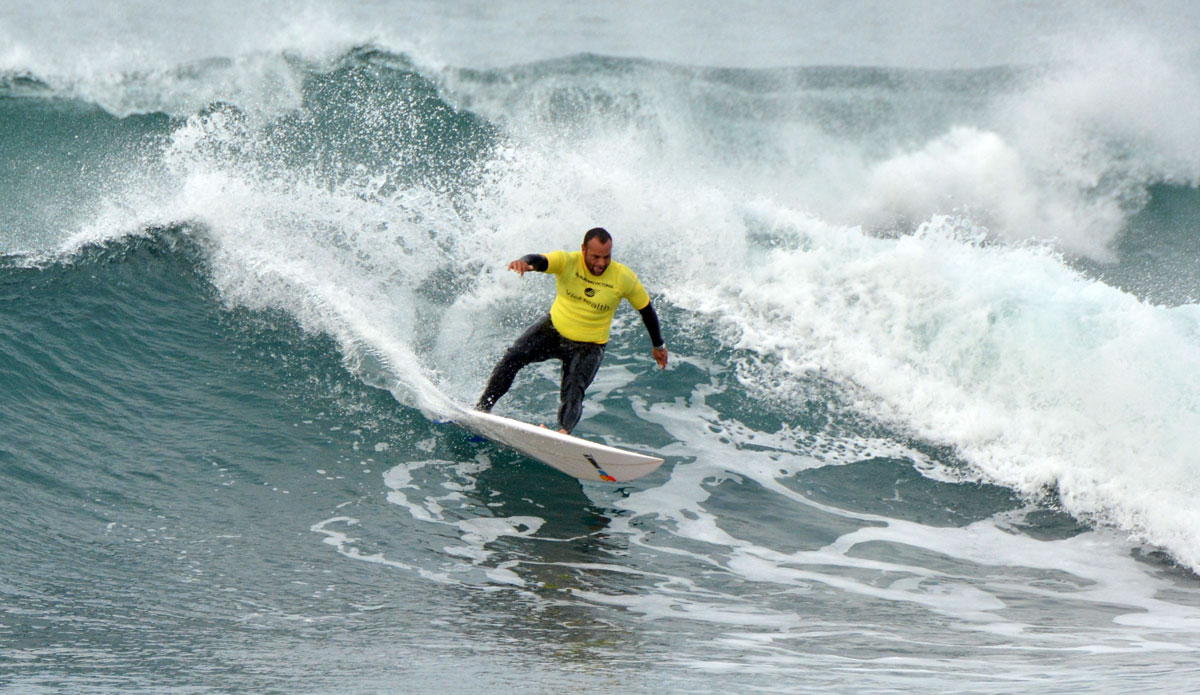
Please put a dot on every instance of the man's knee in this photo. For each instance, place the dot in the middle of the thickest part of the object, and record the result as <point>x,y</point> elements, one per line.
<point>580,373</point>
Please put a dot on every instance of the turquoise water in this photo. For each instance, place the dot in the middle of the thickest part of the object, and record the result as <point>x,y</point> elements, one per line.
<point>929,421</point>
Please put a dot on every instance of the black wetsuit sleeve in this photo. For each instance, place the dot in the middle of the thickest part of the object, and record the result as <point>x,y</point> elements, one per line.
<point>539,262</point>
<point>650,318</point>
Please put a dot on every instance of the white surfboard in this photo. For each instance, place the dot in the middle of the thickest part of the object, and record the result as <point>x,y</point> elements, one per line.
<point>571,455</point>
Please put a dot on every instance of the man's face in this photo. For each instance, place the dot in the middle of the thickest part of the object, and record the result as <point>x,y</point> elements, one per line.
<point>597,255</point>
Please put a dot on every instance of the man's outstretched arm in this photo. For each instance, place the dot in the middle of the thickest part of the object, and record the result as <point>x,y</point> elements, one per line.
<point>528,262</point>
<point>659,346</point>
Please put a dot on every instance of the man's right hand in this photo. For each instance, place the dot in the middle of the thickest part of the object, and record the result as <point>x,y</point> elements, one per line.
<point>520,267</point>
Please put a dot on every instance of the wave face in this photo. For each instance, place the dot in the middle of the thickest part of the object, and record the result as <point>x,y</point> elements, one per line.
<point>930,417</point>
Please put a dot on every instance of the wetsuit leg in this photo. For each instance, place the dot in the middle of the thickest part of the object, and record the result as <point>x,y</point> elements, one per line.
<point>581,361</point>
<point>538,343</point>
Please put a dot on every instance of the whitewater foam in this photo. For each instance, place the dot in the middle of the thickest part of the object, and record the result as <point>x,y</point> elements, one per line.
<point>1037,376</point>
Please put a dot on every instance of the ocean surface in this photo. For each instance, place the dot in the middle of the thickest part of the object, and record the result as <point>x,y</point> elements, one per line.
<point>929,273</point>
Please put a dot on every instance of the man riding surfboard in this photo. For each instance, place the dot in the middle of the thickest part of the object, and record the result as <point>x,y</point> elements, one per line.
<point>590,285</point>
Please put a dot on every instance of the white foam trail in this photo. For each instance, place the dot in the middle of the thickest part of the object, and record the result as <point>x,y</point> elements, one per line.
<point>345,545</point>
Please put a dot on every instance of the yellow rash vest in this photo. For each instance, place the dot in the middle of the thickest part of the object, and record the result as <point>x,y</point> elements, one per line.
<point>584,308</point>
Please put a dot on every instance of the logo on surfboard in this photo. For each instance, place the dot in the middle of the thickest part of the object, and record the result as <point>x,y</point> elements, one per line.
<point>603,476</point>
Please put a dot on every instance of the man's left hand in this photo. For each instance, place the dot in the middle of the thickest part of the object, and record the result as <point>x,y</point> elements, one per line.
<point>660,356</point>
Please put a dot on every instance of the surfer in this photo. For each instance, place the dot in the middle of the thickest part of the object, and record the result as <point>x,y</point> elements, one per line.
<point>590,286</point>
